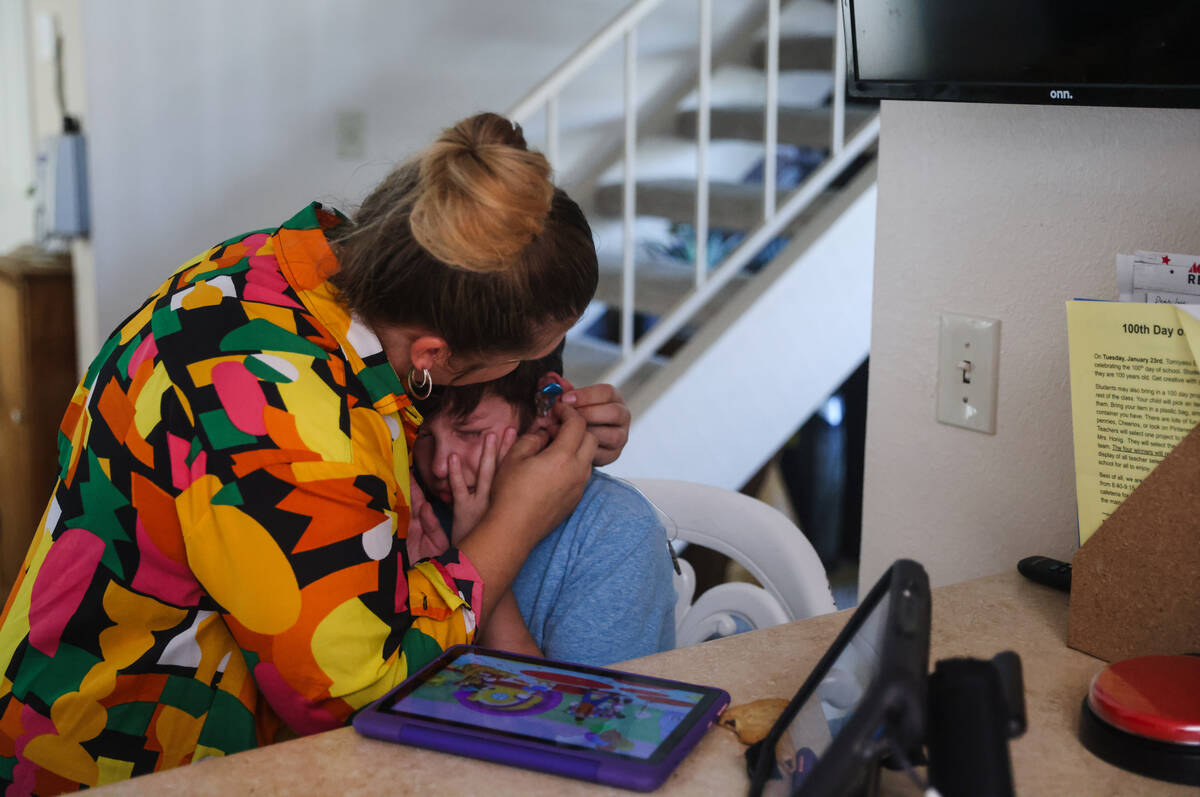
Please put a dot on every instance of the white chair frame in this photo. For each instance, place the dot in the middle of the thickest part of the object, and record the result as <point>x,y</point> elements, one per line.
<point>758,537</point>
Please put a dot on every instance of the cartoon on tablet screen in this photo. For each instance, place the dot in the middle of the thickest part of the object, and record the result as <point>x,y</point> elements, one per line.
<point>514,700</point>
<point>544,701</point>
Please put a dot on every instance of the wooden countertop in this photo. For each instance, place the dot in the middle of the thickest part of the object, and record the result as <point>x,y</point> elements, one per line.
<point>976,618</point>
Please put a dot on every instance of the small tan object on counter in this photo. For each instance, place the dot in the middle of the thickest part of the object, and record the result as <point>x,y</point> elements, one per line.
<point>752,721</point>
<point>977,618</point>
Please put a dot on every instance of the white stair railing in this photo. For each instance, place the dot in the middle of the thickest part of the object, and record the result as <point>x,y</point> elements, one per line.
<point>771,111</point>
<point>703,116</point>
<point>707,283</point>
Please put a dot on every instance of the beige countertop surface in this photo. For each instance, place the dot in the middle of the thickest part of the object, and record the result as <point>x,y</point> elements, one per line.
<point>975,618</point>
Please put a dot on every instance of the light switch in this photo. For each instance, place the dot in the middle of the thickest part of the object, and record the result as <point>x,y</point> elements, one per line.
<point>351,135</point>
<point>968,365</point>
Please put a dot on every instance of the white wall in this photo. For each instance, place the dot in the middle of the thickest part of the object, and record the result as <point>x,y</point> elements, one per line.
<point>45,17</point>
<point>16,129</point>
<point>208,119</point>
<point>1002,211</point>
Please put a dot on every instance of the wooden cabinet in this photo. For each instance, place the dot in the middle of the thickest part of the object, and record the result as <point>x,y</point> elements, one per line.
<point>37,377</point>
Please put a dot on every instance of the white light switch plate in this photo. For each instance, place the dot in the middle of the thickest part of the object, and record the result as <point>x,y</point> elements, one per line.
<point>968,347</point>
<point>351,135</point>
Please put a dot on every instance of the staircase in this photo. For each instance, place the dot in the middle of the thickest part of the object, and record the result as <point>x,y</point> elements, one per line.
<point>743,249</point>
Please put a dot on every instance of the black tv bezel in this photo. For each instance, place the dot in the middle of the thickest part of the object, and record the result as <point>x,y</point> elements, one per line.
<point>1123,95</point>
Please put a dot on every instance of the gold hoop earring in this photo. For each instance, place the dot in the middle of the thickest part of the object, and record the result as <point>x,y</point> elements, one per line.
<point>426,383</point>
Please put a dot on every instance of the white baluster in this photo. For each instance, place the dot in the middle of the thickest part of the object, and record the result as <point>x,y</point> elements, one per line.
<point>703,134</point>
<point>552,132</point>
<point>630,192</point>
<point>797,201</point>
<point>771,123</point>
<point>581,59</point>
<point>839,86</point>
<point>776,216</point>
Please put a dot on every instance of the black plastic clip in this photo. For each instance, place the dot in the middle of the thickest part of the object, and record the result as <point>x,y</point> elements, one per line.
<point>975,707</point>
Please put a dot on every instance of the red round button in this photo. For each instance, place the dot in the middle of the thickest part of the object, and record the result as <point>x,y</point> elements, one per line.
<point>1157,697</point>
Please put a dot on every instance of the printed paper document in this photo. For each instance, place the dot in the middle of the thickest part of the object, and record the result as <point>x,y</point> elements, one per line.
<point>1135,393</point>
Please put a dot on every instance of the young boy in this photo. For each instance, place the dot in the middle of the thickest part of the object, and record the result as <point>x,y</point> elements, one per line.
<point>598,589</point>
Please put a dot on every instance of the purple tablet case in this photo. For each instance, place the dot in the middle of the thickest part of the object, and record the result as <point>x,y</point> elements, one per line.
<point>491,745</point>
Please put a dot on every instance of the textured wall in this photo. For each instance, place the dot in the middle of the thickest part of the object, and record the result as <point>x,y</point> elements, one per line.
<point>1003,211</point>
<point>46,120</point>
<point>16,129</point>
<point>212,118</point>
<point>207,119</point>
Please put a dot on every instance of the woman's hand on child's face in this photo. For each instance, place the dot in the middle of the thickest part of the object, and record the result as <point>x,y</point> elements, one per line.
<point>426,538</point>
<point>470,505</point>
<point>603,408</point>
<point>542,479</point>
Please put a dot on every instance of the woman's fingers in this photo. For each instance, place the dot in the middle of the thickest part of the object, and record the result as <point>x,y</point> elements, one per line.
<point>571,431</point>
<point>611,414</point>
<point>415,531</point>
<point>540,482</point>
<point>417,497</point>
<point>529,444</point>
<point>426,537</point>
<point>607,416</point>
<point>436,541</point>
<point>611,442</point>
<point>586,454</point>
<point>593,394</point>
<point>574,438</point>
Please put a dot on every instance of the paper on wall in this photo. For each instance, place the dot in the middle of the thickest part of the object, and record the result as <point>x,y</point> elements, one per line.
<point>1135,393</point>
<point>1158,278</point>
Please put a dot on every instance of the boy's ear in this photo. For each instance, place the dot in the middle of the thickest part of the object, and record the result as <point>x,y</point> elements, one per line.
<point>428,352</point>
<point>551,378</point>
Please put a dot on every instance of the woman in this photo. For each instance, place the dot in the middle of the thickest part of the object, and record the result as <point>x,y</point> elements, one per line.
<point>222,559</point>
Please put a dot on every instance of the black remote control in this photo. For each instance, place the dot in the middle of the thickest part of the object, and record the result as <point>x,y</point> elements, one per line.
<point>1045,570</point>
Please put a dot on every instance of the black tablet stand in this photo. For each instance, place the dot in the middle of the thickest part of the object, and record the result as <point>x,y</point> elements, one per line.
<point>958,719</point>
<point>975,707</point>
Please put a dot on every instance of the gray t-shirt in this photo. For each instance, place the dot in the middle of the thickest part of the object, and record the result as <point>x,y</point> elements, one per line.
<point>598,589</point>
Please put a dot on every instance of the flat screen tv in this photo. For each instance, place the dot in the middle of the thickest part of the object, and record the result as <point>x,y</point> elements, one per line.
<point>1060,52</point>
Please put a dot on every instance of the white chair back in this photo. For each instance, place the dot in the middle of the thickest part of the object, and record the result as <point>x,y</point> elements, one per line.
<point>755,535</point>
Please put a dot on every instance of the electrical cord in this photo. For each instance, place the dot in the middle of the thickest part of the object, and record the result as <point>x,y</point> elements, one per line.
<point>674,533</point>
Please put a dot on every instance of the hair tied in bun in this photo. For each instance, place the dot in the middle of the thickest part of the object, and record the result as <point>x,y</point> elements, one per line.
<point>482,195</point>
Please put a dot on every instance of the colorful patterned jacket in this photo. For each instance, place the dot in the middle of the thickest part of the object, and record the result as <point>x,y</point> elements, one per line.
<point>223,554</point>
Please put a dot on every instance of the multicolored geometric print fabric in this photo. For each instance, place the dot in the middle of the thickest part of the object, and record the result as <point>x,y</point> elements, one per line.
<point>223,554</point>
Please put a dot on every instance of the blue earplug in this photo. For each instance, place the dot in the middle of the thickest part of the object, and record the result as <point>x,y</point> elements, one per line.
<point>545,398</point>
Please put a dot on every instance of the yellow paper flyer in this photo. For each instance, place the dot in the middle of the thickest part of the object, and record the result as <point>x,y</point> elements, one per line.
<point>1135,393</point>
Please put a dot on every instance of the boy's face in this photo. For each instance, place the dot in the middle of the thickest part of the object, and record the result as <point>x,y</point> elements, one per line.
<point>444,435</point>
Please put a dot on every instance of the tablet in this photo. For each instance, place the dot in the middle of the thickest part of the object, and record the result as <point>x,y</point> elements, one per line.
<point>590,723</point>
<point>864,702</point>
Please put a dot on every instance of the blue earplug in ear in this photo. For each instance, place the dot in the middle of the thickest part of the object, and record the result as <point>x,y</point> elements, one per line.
<point>544,399</point>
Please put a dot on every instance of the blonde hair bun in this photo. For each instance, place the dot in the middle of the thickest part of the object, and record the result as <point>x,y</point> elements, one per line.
<point>481,195</point>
